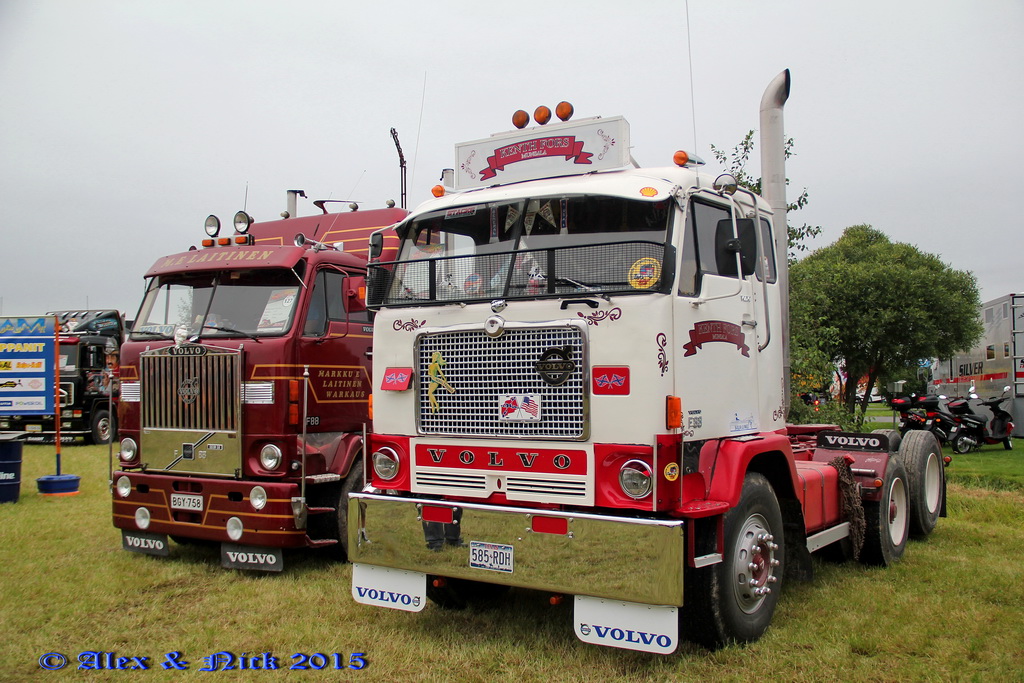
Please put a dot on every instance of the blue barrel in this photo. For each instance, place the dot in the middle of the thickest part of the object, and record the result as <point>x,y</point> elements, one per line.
<point>10,469</point>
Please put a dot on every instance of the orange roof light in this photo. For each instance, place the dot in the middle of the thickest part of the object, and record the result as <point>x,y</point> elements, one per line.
<point>520,119</point>
<point>437,190</point>
<point>680,158</point>
<point>542,114</point>
<point>564,111</point>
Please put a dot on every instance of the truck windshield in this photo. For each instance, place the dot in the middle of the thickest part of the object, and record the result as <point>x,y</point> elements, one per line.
<point>526,248</point>
<point>232,304</point>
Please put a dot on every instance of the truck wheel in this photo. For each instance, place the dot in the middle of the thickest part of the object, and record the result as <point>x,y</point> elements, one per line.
<point>895,438</point>
<point>460,593</point>
<point>353,482</point>
<point>102,428</point>
<point>888,519</point>
<point>920,455</point>
<point>734,600</point>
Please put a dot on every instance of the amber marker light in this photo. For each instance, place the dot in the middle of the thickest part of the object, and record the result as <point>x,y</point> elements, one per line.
<point>369,406</point>
<point>673,412</point>
<point>208,242</point>
<point>564,111</point>
<point>223,241</point>
<point>520,119</point>
<point>437,190</point>
<point>680,158</point>
<point>542,114</point>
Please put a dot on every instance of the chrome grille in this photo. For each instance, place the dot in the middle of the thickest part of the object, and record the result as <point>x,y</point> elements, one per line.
<point>190,392</point>
<point>480,369</point>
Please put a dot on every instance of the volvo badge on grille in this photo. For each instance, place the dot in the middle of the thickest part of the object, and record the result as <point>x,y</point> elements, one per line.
<point>188,390</point>
<point>555,365</point>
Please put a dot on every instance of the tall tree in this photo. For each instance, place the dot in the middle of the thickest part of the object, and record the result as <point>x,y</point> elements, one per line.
<point>883,305</point>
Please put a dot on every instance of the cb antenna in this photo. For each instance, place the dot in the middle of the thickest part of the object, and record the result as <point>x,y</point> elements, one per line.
<point>401,162</point>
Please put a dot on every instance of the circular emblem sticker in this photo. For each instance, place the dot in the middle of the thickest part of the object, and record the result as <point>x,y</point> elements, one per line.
<point>644,273</point>
<point>672,471</point>
<point>474,284</point>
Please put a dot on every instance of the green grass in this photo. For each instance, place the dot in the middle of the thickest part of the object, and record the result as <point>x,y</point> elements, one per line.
<point>950,610</point>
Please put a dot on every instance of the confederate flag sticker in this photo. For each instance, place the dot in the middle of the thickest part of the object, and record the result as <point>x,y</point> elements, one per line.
<point>396,379</point>
<point>610,380</point>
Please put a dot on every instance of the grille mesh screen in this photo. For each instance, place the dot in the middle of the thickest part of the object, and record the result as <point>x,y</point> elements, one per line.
<point>480,369</point>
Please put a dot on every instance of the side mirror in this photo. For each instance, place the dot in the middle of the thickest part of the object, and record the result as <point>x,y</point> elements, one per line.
<point>727,246</point>
<point>355,293</point>
<point>376,245</point>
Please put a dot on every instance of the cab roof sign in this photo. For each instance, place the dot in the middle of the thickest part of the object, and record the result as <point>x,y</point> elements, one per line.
<point>561,149</point>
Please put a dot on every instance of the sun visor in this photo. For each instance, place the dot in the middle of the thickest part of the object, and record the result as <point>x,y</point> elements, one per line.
<point>227,258</point>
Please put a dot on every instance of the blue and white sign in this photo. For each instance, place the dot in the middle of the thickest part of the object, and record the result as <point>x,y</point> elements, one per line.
<point>27,366</point>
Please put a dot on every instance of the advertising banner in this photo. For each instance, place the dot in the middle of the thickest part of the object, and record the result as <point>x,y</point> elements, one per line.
<point>27,362</point>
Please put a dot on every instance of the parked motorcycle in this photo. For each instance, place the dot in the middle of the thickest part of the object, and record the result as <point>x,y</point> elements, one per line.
<point>976,430</point>
<point>925,413</point>
<point>912,416</point>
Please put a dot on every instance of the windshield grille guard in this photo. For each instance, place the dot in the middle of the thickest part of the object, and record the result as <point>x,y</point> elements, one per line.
<point>621,267</point>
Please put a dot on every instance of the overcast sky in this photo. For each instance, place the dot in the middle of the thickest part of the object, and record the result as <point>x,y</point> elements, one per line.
<point>123,123</point>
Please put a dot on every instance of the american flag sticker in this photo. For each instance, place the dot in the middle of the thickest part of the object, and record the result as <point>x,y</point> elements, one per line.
<point>519,408</point>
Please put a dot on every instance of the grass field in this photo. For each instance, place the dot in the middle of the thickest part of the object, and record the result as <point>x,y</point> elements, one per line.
<point>951,610</point>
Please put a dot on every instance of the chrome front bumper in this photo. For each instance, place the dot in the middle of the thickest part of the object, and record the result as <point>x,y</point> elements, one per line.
<point>618,558</point>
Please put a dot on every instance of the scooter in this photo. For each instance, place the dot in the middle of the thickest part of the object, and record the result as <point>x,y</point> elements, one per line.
<point>976,430</point>
<point>911,416</point>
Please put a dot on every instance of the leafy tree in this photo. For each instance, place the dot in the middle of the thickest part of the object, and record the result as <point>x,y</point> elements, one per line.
<point>878,306</point>
<point>736,164</point>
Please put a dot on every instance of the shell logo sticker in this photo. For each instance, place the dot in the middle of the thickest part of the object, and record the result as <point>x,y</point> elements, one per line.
<point>648,192</point>
<point>645,273</point>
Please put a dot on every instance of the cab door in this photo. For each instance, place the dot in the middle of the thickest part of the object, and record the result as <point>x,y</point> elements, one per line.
<point>715,324</point>
<point>335,344</point>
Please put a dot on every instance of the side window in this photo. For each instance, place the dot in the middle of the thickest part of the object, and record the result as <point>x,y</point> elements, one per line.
<point>316,314</point>
<point>767,259</point>
<point>706,218</point>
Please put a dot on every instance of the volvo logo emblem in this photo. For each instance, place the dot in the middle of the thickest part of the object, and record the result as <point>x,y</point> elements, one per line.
<point>188,390</point>
<point>555,365</point>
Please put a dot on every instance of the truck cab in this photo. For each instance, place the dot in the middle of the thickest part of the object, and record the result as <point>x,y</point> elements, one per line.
<point>244,391</point>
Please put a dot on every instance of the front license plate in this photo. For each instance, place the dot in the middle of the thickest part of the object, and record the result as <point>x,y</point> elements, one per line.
<point>187,501</point>
<point>494,557</point>
<point>33,428</point>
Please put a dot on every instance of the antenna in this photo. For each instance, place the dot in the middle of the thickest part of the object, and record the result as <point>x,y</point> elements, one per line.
<point>401,163</point>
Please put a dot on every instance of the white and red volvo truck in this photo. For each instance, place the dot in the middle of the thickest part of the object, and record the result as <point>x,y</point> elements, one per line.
<point>580,387</point>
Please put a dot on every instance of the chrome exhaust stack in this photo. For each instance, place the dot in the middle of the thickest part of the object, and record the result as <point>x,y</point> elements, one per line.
<point>773,189</point>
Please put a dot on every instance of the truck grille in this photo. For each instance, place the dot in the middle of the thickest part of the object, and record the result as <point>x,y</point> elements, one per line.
<point>195,392</point>
<point>480,369</point>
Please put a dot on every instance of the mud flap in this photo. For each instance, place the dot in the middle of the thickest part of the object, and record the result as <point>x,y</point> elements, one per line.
<point>247,557</point>
<point>145,542</point>
<point>627,625</point>
<point>394,588</point>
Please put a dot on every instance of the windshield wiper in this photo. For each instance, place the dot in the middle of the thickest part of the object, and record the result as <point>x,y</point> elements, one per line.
<point>229,330</point>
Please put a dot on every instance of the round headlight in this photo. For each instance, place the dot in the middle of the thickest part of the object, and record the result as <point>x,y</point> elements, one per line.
<point>385,463</point>
<point>635,479</point>
<point>129,449</point>
<point>242,222</point>
<point>258,497</point>
<point>212,226</point>
<point>234,527</point>
<point>142,518</point>
<point>124,486</point>
<point>270,457</point>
